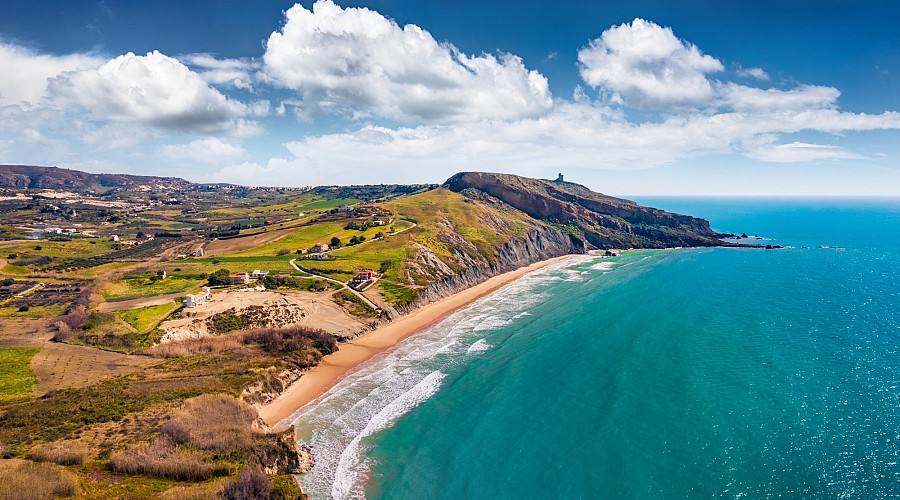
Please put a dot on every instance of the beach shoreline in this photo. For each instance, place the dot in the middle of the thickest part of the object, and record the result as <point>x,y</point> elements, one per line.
<point>278,413</point>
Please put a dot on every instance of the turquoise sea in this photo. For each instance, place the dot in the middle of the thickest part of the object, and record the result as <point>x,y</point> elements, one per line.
<point>688,373</point>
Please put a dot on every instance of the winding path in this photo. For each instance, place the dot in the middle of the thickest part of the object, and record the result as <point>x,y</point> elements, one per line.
<point>343,285</point>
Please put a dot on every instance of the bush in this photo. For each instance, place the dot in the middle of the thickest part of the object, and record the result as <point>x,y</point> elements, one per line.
<point>284,488</point>
<point>250,485</point>
<point>23,309</point>
<point>219,277</point>
<point>175,431</point>
<point>35,481</point>
<point>217,422</point>
<point>201,345</point>
<point>59,452</point>
<point>162,459</point>
<point>284,251</point>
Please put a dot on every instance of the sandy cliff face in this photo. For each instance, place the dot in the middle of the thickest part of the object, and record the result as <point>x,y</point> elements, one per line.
<point>540,243</point>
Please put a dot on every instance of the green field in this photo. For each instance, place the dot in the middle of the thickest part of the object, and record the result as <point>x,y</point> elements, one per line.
<point>307,236</point>
<point>143,286</point>
<point>33,312</point>
<point>241,263</point>
<point>145,318</point>
<point>80,247</point>
<point>16,377</point>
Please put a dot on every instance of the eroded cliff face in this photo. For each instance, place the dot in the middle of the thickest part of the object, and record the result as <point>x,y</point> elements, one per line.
<point>540,243</point>
<point>604,221</point>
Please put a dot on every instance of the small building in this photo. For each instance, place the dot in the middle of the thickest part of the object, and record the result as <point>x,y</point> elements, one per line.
<point>114,237</point>
<point>346,208</point>
<point>257,274</point>
<point>161,274</point>
<point>198,252</point>
<point>365,275</point>
<point>320,247</point>
<point>239,278</point>
<point>196,300</point>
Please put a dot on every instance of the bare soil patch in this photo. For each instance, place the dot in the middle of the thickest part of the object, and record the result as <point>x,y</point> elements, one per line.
<point>313,310</point>
<point>60,366</point>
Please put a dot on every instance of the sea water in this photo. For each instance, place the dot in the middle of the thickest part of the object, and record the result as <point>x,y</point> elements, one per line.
<point>689,373</point>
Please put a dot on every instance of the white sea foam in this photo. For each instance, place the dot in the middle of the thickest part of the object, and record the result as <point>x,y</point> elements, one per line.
<point>479,345</point>
<point>603,266</point>
<point>350,466</point>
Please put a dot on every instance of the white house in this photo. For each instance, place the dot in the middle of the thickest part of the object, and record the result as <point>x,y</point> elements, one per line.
<point>196,300</point>
<point>257,274</point>
<point>198,252</point>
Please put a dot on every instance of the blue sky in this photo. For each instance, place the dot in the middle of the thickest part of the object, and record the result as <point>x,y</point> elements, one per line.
<point>639,97</point>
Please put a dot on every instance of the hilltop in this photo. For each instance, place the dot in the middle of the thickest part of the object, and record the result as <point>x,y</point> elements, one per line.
<point>35,177</point>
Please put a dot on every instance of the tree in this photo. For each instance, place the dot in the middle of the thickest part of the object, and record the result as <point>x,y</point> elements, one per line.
<point>219,277</point>
<point>335,242</point>
<point>378,235</point>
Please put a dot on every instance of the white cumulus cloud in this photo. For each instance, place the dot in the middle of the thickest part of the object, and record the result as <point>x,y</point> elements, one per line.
<point>154,89</point>
<point>757,73</point>
<point>356,62</point>
<point>645,65</point>
<point>25,73</point>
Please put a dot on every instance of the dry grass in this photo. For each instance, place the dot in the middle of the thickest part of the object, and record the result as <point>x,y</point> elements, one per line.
<point>163,459</point>
<point>201,345</point>
<point>59,452</point>
<point>34,481</point>
<point>217,422</point>
<point>204,491</point>
<point>211,423</point>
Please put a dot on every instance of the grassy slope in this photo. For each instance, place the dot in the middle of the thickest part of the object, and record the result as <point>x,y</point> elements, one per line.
<point>143,286</point>
<point>16,377</point>
<point>144,318</point>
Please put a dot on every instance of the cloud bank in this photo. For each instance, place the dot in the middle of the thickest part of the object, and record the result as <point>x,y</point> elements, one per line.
<point>356,62</point>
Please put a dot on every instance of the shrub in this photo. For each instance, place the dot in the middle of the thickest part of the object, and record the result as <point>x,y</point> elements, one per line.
<point>201,345</point>
<point>284,488</point>
<point>162,459</point>
<point>250,485</point>
<point>284,251</point>
<point>59,452</point>
<point>219,277</point>
<point>44,481</point>
<point>217,422</point>
<point>23,309</point>
<point>175,431</point>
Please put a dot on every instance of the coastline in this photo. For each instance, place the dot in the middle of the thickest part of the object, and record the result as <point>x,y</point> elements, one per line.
<point>352,355</point>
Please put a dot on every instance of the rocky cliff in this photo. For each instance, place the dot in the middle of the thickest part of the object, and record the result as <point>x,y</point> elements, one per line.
<point>540,243</point>
<point>603,221</point>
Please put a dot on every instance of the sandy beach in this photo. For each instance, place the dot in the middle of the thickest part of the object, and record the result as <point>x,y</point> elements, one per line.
<point>352,355</point>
